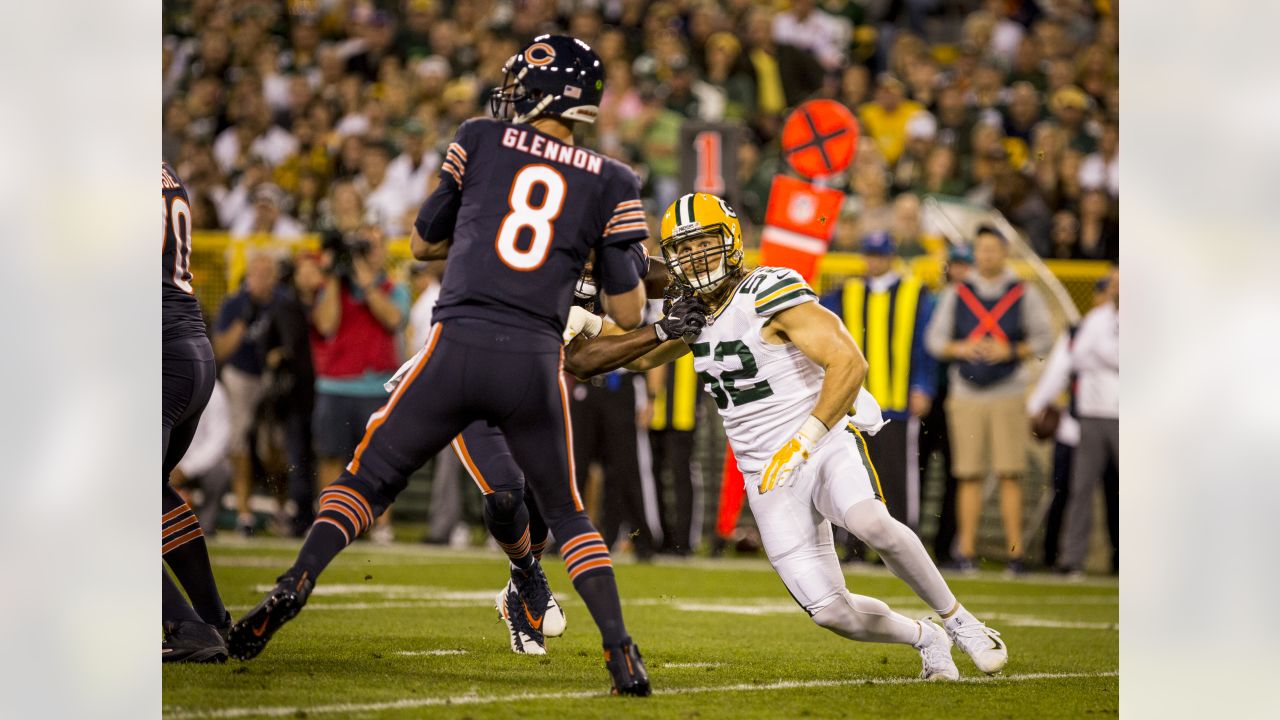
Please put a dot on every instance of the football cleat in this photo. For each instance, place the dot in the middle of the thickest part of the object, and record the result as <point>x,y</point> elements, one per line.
<point>524,627</point>
<point>224,627</point>
<point>193,642</point>
<point>627,668</point>
<point>250,636</point>
<point>982,644</point>
<point>535,591</point>
<point>935,653</point>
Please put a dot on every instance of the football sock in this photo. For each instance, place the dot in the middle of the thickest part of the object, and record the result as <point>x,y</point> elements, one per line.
<point>586,558</point>
<point>537,528</point>
<point>184,549</point>
<point>344,514</point>
<point>859,617</point>
<point>507,518</point>
<point>902,552</point>
<point>173,606</point>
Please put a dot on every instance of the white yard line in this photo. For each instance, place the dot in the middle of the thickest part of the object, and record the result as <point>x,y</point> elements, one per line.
<point>178,713</point>
<point>692,665</point>
<point>415,653</point>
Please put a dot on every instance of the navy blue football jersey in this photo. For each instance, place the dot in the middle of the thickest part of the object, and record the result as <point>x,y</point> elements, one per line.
<point>526,210</point>
<point>180,310</point>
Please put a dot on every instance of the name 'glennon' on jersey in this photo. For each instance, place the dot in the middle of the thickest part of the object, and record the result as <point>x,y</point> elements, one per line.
<point>548,149</point>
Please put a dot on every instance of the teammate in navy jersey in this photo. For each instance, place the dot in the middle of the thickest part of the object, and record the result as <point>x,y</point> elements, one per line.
<point>191,634</point>
<point>517,211</point>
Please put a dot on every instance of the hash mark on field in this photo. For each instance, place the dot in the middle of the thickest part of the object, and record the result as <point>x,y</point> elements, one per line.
<point>473,699</point>
<point>412,653</point>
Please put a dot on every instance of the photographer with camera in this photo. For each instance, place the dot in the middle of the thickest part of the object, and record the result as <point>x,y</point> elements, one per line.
<point>357,314</point>
<point>241,345</point>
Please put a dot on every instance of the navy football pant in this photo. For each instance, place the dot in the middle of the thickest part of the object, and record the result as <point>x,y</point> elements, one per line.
<point>474,370</point>
<point>510,513</point>
<point>188,372</point>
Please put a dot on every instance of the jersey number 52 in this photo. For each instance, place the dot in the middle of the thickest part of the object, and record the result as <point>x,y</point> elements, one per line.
<point>725,389</point>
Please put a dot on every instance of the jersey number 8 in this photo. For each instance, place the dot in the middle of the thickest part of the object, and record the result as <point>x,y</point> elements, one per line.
<point>524,214</point>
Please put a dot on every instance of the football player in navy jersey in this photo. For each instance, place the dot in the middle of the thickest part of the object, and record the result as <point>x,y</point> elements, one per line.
<point>517,210</point>
<point>191,634</point>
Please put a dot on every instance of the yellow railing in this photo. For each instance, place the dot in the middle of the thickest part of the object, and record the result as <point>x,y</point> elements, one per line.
<point>218,261</point>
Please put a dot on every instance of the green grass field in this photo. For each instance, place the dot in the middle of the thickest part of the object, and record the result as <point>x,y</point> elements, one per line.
<point>409,632</point>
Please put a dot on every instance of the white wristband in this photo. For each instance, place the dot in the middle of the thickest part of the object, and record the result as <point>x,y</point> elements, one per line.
<point>814,429</point>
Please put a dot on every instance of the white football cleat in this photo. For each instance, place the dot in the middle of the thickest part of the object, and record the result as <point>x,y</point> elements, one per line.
<point>553,620</point>
<point>526,638</point>
<point>935,653</point>
<point>982,644</point>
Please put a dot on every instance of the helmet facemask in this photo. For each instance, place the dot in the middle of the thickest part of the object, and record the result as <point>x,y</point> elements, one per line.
<point>503,100</point>
<point>702,270</point>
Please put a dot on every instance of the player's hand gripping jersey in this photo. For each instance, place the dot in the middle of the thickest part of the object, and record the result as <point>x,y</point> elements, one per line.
<point>764,391</point>
<point>523,210</point>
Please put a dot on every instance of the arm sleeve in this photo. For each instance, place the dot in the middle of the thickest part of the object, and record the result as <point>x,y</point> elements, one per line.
<point>619,271</point>
<point>938,333</point>
<point>924,368</point>
<point>782,288</point>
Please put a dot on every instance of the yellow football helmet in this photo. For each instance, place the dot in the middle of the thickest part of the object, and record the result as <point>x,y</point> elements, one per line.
<point>701,215</point>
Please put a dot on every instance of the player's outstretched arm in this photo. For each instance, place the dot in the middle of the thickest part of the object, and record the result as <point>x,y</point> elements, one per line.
<point>612,348</point>
<point>820,335</point>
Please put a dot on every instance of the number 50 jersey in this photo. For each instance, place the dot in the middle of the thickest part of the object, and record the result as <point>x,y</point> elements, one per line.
<point>529,208</point>
<point>763,391</point>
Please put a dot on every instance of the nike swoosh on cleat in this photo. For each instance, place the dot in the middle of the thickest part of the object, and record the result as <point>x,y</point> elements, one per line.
<point>537,624</point>
<point>257,632</point>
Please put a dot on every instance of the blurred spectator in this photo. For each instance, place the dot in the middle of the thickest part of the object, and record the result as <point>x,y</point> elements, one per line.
<point>909,171</point>
<point>941,176</point>
<point>881,310</point>
<point>935,434</point>
<point>728,76</point>
<point>1095,357</point>
<point>986,327</point>
<point>1048,419</point>
<point>1101,170</point>
<point>855,86</point>
<point>784,74</point>
<point>904,227</point>
<point>1068,106</point>
<point>807,27</point>
<point>206,465</point>
<point>385,198</point>
<point>414,167</point>
<point>1022,111</point>
<point>884,119</point>
<point>240,346</point>
<point>357,316</point>
<point>266,217</point>
<point>1099,231</point>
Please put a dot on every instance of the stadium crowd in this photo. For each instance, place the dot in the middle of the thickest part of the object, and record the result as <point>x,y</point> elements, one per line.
<point>331,116</point>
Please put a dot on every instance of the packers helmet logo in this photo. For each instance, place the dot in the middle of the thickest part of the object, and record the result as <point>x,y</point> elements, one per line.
<point>539,54</point>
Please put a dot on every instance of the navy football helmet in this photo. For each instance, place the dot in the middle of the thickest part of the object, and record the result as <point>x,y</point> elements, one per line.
<point>555,75</point>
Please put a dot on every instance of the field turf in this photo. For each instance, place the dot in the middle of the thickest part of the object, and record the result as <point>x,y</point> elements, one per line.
<point>407,631</point>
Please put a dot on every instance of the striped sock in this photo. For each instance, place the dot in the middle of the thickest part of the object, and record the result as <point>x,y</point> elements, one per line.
<point>586,553</point>
<point>518,551</point>
<point>537,548</point>
<point>344,514</point>
<point>184,549</point>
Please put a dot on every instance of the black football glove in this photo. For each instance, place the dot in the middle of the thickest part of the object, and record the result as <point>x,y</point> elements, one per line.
<point>685,320</point>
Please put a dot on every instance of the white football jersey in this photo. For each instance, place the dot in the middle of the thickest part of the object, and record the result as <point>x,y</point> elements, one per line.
<point>763,391</point>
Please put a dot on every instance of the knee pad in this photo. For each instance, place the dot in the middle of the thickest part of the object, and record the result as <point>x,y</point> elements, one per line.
<point>502,505</point>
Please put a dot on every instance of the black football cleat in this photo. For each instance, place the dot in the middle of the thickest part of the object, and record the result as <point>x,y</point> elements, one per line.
<point>627,668</point>
<point>250,636</point>
<point>193,642</point>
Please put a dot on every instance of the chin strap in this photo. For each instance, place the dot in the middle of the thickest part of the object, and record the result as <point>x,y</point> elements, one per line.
<point>537,109</point>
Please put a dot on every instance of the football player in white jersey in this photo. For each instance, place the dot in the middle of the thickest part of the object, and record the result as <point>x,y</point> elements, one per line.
<point>785,374</point>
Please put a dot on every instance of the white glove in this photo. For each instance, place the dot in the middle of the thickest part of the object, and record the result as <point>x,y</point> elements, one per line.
<point>792,455</point>
<point>582,322</point>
